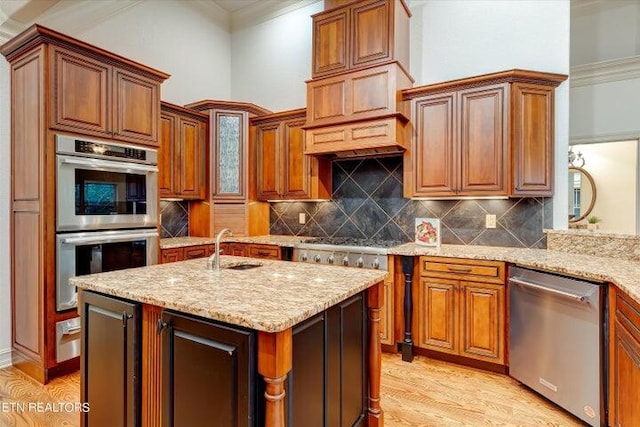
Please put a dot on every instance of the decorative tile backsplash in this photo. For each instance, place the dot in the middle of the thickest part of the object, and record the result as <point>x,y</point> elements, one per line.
<point>174,221</point>
<point>368,203</point>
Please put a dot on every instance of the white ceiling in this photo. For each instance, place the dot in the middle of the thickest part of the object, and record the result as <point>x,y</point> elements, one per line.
<point>233,5</point>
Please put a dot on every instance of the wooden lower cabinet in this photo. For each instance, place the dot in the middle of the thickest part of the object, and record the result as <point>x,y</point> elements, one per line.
<point>387,321</point>
<point>462,317</point>
<point>171,255</point>
<point>198,369</point>
<point>624,360</point>
<point>110,360</point>
<point>251,250</point>
<point>208,373</point>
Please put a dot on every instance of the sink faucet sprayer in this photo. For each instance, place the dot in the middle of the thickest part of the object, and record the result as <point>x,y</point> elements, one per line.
<point>214,260</point>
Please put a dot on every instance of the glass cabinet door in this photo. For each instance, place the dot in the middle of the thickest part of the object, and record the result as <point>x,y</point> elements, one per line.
<point>228,155</point>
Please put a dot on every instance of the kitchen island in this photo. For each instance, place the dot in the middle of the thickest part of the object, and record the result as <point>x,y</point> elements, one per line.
<point>276,344</point>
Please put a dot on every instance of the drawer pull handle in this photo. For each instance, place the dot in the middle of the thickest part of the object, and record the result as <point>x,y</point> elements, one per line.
<point>459,269</point>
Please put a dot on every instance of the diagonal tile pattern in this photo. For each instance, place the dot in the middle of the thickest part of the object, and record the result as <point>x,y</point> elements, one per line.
<point>174,220</point>
<point>367,202</point>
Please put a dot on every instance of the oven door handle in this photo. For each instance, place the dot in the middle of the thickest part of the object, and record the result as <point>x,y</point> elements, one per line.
<point>71,330</point>
<point>109,239</point>
<point>580,298</point>
<point>96,163</point>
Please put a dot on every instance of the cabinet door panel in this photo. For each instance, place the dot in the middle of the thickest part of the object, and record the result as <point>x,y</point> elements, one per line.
<point>195,252</point>
<point>298,166</point>
<point>208,373</point>
<point>626,377</point>
<point>386,315</point>
<point>81,99</point>
<point>532,139</point>
<point>330,46</point>
<point>437,315</point>
<point>268,157</point>
<point>166,155</point>
<point>483,141</point>
<point>172,255</point>
<point>482,322</point>
<point>370,33</point>
<point>190,159</point>
<point>109,360</point>
<point>435,146</point>
<point>137,102</point>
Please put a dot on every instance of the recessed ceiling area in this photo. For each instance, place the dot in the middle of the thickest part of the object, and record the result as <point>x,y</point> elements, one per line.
<point>233,5</point>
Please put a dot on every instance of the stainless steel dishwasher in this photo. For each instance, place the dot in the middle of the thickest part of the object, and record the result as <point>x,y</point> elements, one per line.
<point>557,341</point>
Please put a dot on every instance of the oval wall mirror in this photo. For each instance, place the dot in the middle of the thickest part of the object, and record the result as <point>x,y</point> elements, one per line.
<point>582,194</point>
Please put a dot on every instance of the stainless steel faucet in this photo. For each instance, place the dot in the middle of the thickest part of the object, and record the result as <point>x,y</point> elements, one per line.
<point>214,260</point>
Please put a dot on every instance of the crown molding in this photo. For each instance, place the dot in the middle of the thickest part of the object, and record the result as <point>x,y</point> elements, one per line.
<point>218,15</point>
<point>264,11</point>
<point>604,137</point>
<point>605,71</point>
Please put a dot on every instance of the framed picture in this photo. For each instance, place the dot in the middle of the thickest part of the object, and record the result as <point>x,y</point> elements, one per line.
<point>428,231</point>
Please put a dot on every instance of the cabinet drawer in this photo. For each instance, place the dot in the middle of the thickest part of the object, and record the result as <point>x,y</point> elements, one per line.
<point>264,251</point>
<point>195,252</point>
<point>468,270</point>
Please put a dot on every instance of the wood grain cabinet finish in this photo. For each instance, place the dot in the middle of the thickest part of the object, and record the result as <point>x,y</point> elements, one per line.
<point>490,135</point>
<point>231,201</point>
<point>359,35</point>
<point>182,153</point>
<point>624,359</point>
<point>461,308</point>
<point>110,364</point>
<point>89,96</point>
<point>58,84</point>
<point>284,172</point>
<point>171,255</point>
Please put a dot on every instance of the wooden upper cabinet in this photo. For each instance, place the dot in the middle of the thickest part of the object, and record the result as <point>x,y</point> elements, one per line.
<point>360,34</point>
<point>284,171</point>
<point>166,155</point>
<point>490,135</point>
<point>137,108</point>
<point>434,158</point>
<point>94,98</point>
<point>330,43</point>
<point>483,139</point>
<point>532,143</point>
<point>80,97</point>
<point>182,153</point>
<point>371,33</point>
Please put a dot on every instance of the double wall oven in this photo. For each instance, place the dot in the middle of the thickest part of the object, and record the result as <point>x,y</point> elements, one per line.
<point>106,217</point>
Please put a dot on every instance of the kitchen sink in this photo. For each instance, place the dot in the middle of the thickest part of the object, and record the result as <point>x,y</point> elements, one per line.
<point>242,266</point>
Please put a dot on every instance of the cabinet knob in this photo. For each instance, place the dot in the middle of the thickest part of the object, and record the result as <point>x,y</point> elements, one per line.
<point>317,258</point>
<point>360,262</point>
<point>345,261</point>
<point>331,259</point>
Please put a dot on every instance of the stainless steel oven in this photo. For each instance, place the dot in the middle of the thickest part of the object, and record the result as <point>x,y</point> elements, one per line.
<point>105,185</point>
<point>98,251</point>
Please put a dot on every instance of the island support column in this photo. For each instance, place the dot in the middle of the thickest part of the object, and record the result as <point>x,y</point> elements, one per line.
<point>274,362</point>
<point>375,299</point>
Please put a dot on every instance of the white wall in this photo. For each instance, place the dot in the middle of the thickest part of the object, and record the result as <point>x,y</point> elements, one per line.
<point>607,108</point>
<point>460,38</point>
<point>272,60</point>
<point>604,31</point>
<point>613,168</point>
<point>5,182</point>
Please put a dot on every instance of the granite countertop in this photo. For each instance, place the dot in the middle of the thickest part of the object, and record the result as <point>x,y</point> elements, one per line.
<point>270,298</point>
<point>625,274</point>
<point>180,242</point>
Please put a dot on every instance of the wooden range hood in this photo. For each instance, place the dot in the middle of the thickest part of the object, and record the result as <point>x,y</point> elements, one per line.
<point>360,66</point>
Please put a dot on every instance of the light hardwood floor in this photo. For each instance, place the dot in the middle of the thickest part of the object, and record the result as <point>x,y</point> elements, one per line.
<point>423,393</point>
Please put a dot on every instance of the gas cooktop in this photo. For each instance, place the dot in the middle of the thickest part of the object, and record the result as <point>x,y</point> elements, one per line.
<point>349,241</point>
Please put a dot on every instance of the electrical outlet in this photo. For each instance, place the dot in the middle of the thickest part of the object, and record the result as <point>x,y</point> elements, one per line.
<point>302,218</point>
<point>490,221</point>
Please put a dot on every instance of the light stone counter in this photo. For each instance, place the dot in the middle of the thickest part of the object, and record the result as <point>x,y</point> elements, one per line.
<point>180,242</point>
<point>625,274</point>
<point>270,298</point>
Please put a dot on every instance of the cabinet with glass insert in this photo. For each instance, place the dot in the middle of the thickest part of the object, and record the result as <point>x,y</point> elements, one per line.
<point>232,201</point>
